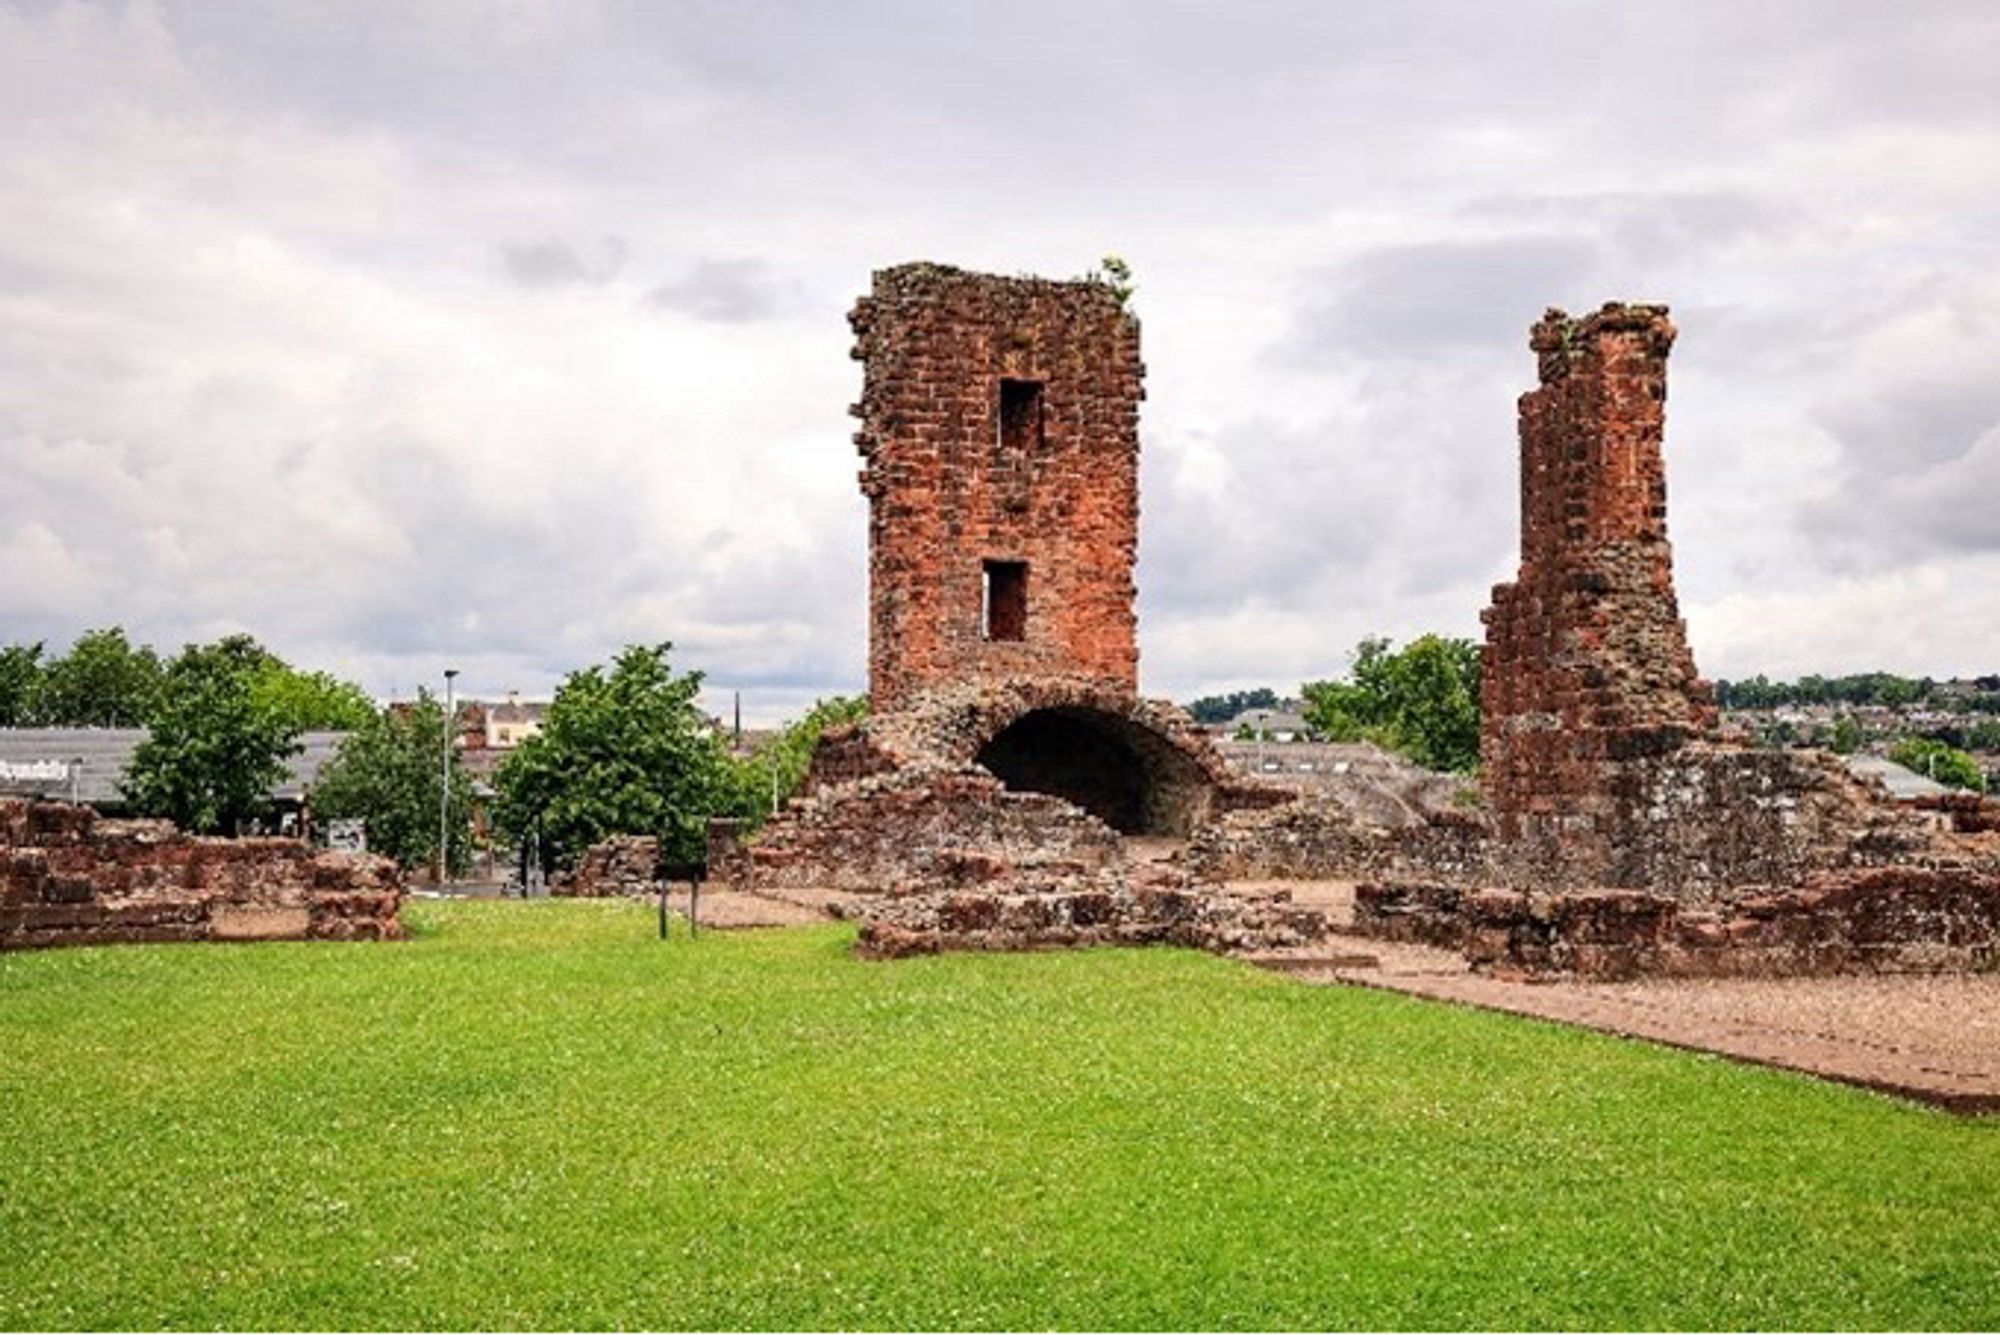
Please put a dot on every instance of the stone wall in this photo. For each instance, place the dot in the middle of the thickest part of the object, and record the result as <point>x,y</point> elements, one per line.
<point>920,827</point>
<point>1598,761</point>
<point>1000,429</point>
<point>1114,909</point>
<point>1964,813</point>
<point>1586,665</point>
<point>68,878</point>
<point>623,865</point>
<point>1901,919</point>
<point>1324,838</point>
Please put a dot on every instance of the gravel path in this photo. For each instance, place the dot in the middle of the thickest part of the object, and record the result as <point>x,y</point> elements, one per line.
<point>1935,1038</point>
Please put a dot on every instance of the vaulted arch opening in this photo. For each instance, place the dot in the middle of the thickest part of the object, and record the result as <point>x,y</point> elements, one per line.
<point>1128,776</point>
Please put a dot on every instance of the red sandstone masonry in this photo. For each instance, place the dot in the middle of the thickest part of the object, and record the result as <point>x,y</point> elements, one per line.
<point>1000,422</point>
<point>1857,920</point>
<point>67,878</point>
<point>1586,663</point>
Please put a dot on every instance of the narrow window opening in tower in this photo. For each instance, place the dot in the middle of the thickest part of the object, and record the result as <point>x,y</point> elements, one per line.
<point>1003,603</point>
<point>1021,416</point>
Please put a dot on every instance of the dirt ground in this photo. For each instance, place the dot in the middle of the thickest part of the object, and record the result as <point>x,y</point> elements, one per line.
<point>1935,1038</point>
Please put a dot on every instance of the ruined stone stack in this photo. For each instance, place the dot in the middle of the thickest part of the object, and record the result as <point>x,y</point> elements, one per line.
<point>1000,428</point>
<point>67,878</point>
<point>1007,748</point>
<point>1587,665</point>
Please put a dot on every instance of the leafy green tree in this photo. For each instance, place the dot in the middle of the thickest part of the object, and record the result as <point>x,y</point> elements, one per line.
<point>310,701</point>
<point>1422,701</point>
<point>1222,708</point>
<point>1847,735</point>
<point>389,773</point>
<point>779,766</point>
<point>212,756</point>
<point>624,751</point>
<point>20,684</point>
<point>102,682</point>
<point>1948,765</point>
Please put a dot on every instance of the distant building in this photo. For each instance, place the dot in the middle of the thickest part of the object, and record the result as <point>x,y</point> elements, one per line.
<point>1276,725</point>
<point>88,765</point>
<point>513,722</point>
<point>1904,784</point>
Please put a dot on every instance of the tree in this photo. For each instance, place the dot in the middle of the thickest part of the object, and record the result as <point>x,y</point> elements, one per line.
<point>1949,766</point>
<point>310,701</point>
<point>1847,735</point>
<point>389,773</point>
<point>20,684</point>
<point>769,778</point>
<point>1223,708</point>
<point>102,682</point>
<point>620,752</point>
<point>1422,701</point>
<point>212,757</point>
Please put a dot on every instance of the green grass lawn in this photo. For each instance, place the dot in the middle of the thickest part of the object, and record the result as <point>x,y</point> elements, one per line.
<point>538,1115</point>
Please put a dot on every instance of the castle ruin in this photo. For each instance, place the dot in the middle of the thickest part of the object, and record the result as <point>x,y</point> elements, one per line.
<point>992,798</point>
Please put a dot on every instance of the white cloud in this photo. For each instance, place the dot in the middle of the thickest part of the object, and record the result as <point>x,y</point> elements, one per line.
<point>506,335</point>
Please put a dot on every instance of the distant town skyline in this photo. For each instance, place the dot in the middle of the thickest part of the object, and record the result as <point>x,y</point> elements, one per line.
<point>498,336</point>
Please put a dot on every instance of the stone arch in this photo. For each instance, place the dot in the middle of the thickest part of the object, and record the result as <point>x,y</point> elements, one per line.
<point>1131,777</point>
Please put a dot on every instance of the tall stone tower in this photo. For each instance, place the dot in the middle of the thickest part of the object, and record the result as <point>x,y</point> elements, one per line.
<point>1587,665</point>
<point>1000,426</point>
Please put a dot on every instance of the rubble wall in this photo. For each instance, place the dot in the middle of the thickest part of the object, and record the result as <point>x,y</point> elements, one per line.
<point>1321,838</point>
<point>920,827</point>
<point>1586,665</point>
<point>1111,912</point>
<point>625,865</point>
<point>68,878</point>
<point>1898,919</point>
<point>999,423</point>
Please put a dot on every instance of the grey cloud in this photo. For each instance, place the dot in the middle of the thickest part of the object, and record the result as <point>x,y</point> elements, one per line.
<point>1895,429</point>
<point>258,200</point>
<point>1414,498</point>
<point>1436,297</point>
<point>560,264</point>
<point>728,291</point>
<point>1650,227</point>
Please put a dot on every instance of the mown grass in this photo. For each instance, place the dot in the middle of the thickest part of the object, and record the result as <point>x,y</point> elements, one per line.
<point>537,1115</point>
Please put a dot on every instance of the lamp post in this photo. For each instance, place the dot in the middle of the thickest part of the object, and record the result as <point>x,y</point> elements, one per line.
<point>444,788</point>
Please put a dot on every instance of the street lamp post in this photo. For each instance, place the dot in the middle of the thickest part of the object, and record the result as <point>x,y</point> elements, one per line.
<point>444,788</point>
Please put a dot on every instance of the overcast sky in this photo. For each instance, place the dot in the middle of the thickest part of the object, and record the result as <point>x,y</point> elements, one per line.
<point>502,335</point>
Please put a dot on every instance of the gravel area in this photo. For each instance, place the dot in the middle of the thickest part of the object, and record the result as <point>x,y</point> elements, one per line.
<point>1952,1021</point>
<point>1935,1038</point>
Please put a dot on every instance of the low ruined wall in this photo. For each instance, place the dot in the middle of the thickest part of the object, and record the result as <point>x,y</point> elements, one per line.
<point>1856,920</point>
<point>1964,813</point>
<point>67,878</point>
<point>1107,912</point>
<point>928,827</point>
<point>845,753</point>
<point>1691,823</point>
<point>1319,838</point>
<point>1707,817</point>
<point>623,865</point>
